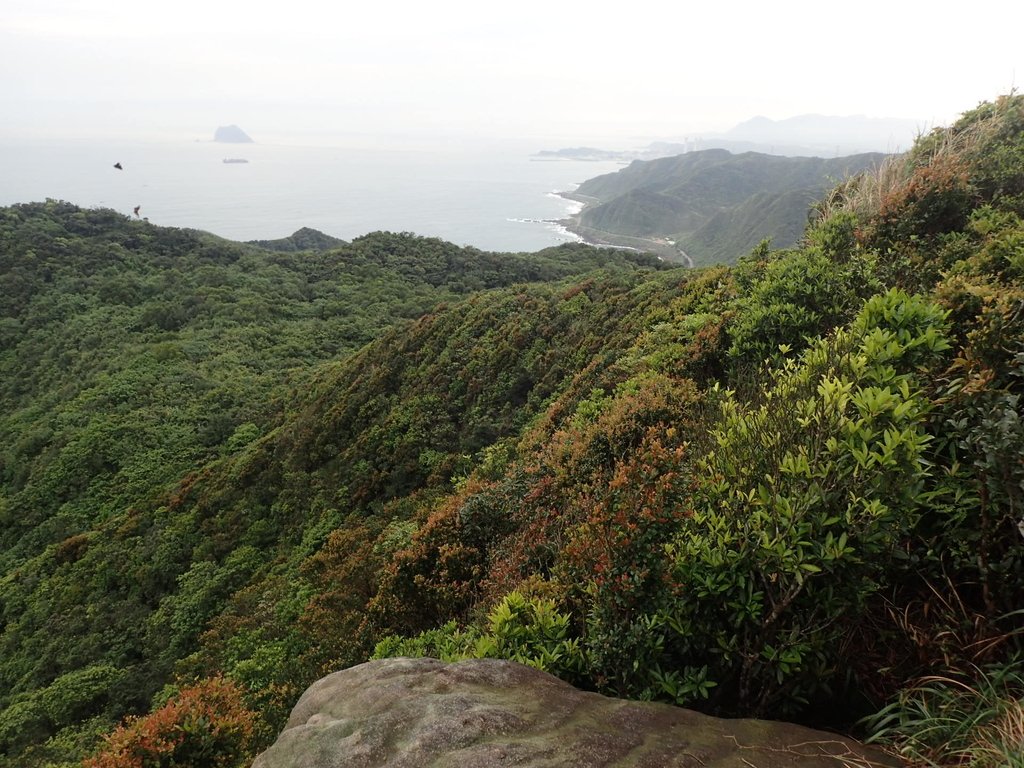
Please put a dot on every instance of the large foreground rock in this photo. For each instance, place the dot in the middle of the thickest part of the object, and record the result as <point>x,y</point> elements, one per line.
<point>476,714</point>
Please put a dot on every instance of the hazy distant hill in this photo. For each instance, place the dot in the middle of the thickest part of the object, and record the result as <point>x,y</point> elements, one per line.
<point>780,217</point>
<point>714,204</point>
<point>800,136</point>
<point>828,135</point>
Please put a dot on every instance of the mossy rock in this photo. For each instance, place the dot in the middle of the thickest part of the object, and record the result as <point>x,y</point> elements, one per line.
<point>481,713</point>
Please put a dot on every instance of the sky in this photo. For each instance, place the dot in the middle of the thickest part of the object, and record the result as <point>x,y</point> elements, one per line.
<point>579,72</point>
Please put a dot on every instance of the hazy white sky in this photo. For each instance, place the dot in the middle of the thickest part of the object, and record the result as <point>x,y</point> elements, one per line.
<point>582,71</point>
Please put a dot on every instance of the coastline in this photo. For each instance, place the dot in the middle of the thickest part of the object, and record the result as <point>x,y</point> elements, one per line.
<point>662,247</point>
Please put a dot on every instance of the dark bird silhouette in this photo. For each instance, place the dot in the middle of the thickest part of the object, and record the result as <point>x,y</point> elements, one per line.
<point>136,210</point>
<point>118,166</point>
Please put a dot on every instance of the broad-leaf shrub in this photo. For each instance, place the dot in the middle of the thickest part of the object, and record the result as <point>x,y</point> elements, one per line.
<point>529,630</point>
<point>799,510</point>
<point>792,296</point>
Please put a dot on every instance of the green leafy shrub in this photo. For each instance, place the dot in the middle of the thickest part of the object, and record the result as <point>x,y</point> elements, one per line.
<point>449,642</point>
<point>22,721</point>
<point>77,694</point>
<point>792,296</point>
<point>527,630</point>
<point>533,632</point>
<point>801,506</point>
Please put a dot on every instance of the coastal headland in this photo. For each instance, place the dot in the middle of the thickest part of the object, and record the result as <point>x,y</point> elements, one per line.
<point>661,246</point>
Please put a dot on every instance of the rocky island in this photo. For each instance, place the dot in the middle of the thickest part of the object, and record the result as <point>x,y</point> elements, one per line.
<point>231,134</point>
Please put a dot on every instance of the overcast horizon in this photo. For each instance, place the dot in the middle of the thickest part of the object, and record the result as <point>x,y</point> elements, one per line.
<point>572,72</point>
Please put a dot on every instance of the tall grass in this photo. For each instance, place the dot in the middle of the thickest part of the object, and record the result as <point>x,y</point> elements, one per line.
<point>865,195</point>
<point>974,721</point>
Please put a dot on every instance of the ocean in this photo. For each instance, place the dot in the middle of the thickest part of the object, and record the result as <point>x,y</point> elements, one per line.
<point>494,197</point>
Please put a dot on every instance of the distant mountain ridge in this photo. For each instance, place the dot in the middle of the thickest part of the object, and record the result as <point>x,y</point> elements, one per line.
<point>712,205</point>
<point>829,134</point>
<point>801,136</point>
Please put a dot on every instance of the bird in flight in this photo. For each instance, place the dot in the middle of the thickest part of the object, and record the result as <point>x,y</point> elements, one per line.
<point>118,166</point>
<point>136,210</point>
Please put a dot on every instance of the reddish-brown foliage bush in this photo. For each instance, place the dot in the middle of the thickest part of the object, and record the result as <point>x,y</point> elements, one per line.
<point>206,724</point>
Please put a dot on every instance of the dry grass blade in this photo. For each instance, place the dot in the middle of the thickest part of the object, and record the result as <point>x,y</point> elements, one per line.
<point>1004,738</point>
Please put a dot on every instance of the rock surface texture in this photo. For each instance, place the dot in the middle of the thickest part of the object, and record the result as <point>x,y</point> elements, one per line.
<point>477,714</point>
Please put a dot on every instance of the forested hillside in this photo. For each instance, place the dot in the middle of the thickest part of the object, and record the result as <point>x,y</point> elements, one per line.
<point>132,356</point>
<point>790,488</point>
<point>713,204</point>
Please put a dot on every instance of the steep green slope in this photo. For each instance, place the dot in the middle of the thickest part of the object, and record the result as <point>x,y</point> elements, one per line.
<point>778,217</point>
<point>797,493</point>
<point>404,416</point>
<point>132,353</point>
<point>713,200</point>
<point>787,488</point>
<point>132,356</point>
<point>790,479</point>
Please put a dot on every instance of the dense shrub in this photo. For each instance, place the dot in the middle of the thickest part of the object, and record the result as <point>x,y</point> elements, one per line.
<point>790,297</point>
<point>206,724</point>
<point>797,513</point>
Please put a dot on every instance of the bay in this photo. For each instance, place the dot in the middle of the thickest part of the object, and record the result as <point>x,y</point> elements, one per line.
<point>493,196</point>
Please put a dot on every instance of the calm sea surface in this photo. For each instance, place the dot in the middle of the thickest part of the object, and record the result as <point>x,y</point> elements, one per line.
<point>494,198</point>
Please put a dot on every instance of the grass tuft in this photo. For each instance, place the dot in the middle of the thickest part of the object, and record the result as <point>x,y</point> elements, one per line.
<point>974,722</point>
